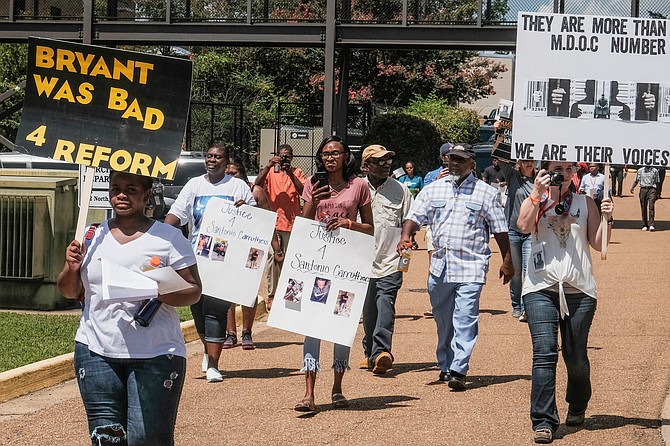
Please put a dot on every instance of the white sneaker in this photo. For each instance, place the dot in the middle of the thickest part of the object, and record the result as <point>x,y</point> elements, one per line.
<point>205,363</point>
<point>213,375</point>
<point>651,228</point>
<point>644,228</point>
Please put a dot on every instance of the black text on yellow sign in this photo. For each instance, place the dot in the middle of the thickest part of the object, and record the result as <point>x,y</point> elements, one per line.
<point>93,155</point>
<point>94,65</point>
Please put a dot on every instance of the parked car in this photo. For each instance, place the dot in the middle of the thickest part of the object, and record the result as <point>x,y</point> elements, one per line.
<point>483,153</point>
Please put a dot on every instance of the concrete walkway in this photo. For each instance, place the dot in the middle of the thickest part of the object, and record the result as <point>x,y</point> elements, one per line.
<point>629,348</point>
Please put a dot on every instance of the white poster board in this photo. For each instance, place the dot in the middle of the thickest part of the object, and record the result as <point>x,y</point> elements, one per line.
<point>100,191</point>
<point>323,282</point>
<point>592,89</point>
<point>231,248</point>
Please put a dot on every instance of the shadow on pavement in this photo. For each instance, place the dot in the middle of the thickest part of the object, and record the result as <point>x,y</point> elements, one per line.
<point>274,372</point>
<point>602,422</point>
<point>376,402</point>
<point>493,312</point>
<point>476,382</point>
<point>412,317</point>
<point>273,344</point>
<point>404,367</point>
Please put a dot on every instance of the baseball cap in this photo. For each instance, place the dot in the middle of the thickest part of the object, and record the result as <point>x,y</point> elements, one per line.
<point>375,151</point>
<point>461,151</point>
<point>445,148</point>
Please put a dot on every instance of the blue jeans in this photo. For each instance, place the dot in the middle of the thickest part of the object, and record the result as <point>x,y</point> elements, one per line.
<point>129,401</point>
<point>456,312</point>
<point>379,315</point>
<point>520,247</point>
<point>544,321</point>
<point>311,349</point>
<point>210,316</point>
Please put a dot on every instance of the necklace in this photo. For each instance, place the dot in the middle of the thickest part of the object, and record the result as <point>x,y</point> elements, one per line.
<point>338,185</point>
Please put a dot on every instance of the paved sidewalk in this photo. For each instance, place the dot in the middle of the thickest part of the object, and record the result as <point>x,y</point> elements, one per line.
<point>629,350</point>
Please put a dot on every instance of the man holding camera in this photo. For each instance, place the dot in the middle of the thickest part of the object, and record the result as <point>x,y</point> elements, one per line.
<point>460,210</point>
<point>283,185</point>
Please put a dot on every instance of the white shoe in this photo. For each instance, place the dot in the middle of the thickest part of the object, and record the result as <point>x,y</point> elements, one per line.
<point>213,375</point>
<point>644,228</point>
<point>651,228</point>
<point>205,363</point>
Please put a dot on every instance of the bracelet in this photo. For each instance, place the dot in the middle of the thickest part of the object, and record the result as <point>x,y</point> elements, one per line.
<point>534,200</point>
<point>610,222</point>
<point>348,223</point>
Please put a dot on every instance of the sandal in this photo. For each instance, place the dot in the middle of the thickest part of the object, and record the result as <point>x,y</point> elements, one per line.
<point>305,405</point>
<point>339,401</point>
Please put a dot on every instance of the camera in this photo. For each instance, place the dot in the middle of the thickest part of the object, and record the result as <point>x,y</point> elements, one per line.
<point>285,161</point>
<point>555,178</point>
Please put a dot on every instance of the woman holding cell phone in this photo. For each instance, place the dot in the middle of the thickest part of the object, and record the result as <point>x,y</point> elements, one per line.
<point>335,195</point>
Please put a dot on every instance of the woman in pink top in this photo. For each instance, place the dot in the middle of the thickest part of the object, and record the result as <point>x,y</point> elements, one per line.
<point>337,204</point>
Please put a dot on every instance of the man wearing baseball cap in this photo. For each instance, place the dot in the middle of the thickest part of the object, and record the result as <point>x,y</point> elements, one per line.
<point>390,205</point>
<point>434,174</point>
<point>460,210</point>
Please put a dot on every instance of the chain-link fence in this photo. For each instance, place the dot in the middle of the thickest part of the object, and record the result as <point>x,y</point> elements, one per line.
<point>47,9</point>
<point>210,122</point>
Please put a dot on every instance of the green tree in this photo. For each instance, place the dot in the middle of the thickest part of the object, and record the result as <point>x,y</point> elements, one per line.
<point>411,138</point>
<point>13,63</point>
<point>453,123</point>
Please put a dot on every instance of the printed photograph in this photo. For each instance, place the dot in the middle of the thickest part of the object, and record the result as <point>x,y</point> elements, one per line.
<point>320,290</point>
<point>255,258</point>
<point>558,98</point>
<point>646,102</point>
<point>204,245</point>
<point>535,103</point>
<point>345,300</point>
<point>293,295</point>
<point>219,249</point>
<point>664,108</point>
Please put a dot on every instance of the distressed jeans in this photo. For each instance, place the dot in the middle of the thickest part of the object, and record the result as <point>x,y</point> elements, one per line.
<point>520,248</point>
<point>311,349</point>
<point>129,401</point>
<point>544,321</point>
<point>379,315</point>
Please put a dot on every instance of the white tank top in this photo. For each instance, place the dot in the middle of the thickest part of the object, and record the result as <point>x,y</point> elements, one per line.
<point>565,251</point>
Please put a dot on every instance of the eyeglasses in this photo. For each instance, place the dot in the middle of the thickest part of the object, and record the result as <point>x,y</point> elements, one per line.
<point>334,155</point>
<point>386,162</point>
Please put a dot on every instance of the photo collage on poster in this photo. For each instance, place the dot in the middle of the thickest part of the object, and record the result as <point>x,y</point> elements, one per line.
<point>597,99</point>
<point>320,293</point>
<point>214,248</point>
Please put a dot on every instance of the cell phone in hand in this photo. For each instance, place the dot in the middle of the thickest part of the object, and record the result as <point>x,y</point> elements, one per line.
<point>320,179</point>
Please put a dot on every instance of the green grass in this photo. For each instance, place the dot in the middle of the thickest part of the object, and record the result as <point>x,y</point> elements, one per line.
<point>28,338</point>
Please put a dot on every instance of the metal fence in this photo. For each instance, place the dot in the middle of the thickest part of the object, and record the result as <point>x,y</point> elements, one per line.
<point>406,12</point>
<point>211,122</point>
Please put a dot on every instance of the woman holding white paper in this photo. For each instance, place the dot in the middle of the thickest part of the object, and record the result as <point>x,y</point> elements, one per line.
<point>130,377</point>
<point>210,313</point>
<point>336,203</point>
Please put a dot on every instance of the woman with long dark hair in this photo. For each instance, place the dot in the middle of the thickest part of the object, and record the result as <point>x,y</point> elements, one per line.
<point>337,204</point>
<point>559,291</point>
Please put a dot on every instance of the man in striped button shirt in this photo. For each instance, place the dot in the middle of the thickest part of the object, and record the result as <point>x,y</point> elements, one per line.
<point>460,210</point>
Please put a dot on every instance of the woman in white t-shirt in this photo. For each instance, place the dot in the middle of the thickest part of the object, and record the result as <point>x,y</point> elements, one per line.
<point>210,313</point>
<point>130,376</point>
<point>559,291</point>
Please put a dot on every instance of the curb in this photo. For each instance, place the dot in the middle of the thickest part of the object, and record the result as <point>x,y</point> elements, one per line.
<point>49,372</point>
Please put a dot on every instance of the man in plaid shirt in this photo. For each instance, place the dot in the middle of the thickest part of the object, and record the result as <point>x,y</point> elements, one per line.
<point>460,211</point>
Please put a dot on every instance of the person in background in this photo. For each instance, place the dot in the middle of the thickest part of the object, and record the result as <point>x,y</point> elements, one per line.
<point>283,185</point>
<point>237,170</point>
<point>559,292</point>
<point>493,174</point>
<point>661,179</point>
<point>593,184</point>
<point>414,183</point>
<point>617,174</point>
<point>130,376</point>
<point>338,204</point>
<point>210,313</point>
<point>390,205</point>
<point>519,186</point>
<point>580,170</point>
<point>461,211</point>
<point>647,178</point>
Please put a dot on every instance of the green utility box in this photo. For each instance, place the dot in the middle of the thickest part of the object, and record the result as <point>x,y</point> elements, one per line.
<point>38,215</point>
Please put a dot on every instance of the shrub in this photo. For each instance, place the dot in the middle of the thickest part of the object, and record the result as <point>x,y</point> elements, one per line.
<point>456,125</point>
<point>411,138</point>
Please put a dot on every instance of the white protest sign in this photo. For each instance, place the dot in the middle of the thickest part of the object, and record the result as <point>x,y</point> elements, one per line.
<point>592,89</point>
<point>323,282</point>
<point>231,249</point>
<point>100,191</point>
